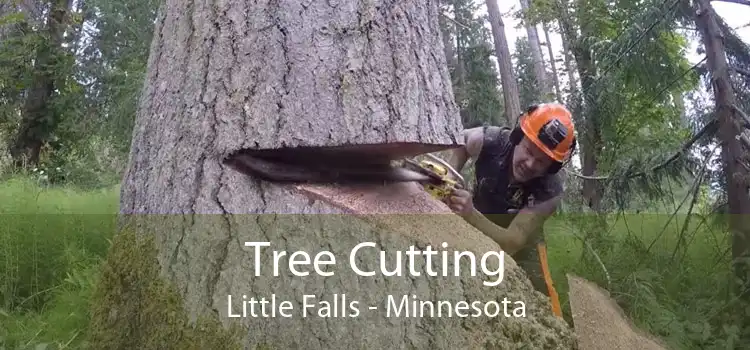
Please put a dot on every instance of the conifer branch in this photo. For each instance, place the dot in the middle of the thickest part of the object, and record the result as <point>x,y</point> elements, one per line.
<point>708,128</point>
<point>454,21</point>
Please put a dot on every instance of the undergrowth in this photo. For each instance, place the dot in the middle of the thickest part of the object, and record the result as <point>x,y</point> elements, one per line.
<point>671,278</point>
<point>51,243</point>
<point>53,240</point>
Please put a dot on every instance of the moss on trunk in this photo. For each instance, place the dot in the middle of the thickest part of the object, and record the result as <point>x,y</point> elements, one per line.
<point>133,307</point>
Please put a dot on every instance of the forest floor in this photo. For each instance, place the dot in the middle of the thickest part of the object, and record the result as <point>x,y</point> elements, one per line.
<point>52,241</point>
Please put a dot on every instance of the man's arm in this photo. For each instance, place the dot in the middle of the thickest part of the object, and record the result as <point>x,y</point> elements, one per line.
<point>473,141</point>
<point>510,239</point>
<point>544,208</point>
<point>547,197</point>
<point>529,220</point>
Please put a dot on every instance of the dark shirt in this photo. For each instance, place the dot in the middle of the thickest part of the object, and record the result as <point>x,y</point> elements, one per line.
<point>494,195</point>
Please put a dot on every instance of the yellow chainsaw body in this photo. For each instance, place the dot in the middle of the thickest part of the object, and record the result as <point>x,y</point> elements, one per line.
<point>447,184</point>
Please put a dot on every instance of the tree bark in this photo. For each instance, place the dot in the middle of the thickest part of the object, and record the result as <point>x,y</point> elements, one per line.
<point>508,80</point>
<point>536,56</point>
<point>732,151</point>
<point>355,76</point>
<point>553,64</point>
<point>227,76</point>
<point>569,68</point>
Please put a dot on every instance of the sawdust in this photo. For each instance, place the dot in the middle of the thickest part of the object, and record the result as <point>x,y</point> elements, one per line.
<point>403,213</point>
<point>403,208</point>
<point>600,323</point>
<point>395,198</point>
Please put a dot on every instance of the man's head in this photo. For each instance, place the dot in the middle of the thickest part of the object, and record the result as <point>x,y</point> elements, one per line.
<point>544,140</point>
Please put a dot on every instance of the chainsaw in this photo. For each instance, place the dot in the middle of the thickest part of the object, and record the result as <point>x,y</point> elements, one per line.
<point>444,178</point>
<point>339,165</point>
<point>321,165</point>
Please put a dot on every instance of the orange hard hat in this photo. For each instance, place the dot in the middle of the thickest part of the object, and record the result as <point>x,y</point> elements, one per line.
<point>550,127</point>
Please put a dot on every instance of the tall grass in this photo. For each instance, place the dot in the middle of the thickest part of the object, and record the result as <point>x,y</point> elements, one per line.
<point>672,279</point>
<point>52,240</point>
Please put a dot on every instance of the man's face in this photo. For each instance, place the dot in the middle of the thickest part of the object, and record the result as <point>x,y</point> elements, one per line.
<point>529,161</point>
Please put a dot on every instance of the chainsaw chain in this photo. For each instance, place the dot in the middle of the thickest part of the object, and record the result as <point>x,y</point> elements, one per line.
<point>278,171</point>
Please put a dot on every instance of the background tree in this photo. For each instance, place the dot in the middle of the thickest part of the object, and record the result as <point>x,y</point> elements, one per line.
<point>475,84</point>
<point>502,54</point>
<point>535,48</point>
<point>529,89</point>
<point>731,122</point>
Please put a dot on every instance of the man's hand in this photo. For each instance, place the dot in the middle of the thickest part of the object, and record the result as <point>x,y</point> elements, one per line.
<point>460,202</point>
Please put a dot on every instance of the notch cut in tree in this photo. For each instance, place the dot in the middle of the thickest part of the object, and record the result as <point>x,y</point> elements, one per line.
<point>229,76</point>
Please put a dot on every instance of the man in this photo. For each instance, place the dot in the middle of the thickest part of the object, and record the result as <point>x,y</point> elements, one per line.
<point>516,173</point>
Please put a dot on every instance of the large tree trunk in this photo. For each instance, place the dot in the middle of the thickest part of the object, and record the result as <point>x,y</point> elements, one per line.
<point>732,152</point>
<point>228,76</point>
<point>540,72</point>
<point>507,79</point>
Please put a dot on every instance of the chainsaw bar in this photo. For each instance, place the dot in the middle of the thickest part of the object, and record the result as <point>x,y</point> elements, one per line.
<point>412,165</point>
<point>326,171</point>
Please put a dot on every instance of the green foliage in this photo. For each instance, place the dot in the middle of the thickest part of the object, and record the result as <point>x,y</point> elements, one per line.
<point>528,87</point>
<point>53,274</point>
<point>51,244</point>
<point>38,227</point>
<point>97,85</point>
<point>116,60</point>
<point>64,321</point>
<point>670,277</point>
<point>477,91</point>
<point>17,51</point>
<point>630,120</point>
<point>483,105</point>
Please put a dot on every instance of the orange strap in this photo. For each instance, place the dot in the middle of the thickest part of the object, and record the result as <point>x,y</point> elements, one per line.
<point>542,248</point>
